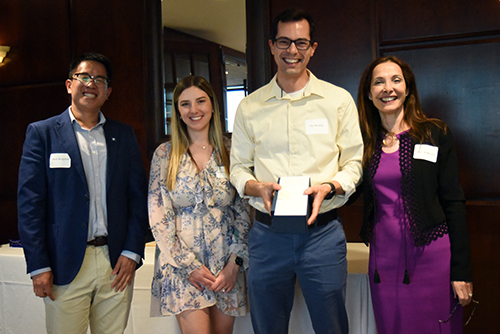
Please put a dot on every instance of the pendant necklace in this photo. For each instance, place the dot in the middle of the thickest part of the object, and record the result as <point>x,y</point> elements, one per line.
<point>390,139</point>
<point>204,147</point>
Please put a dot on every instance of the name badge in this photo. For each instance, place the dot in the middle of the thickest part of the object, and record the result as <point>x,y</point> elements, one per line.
<point>59,160</point>
<point>426,152</point>
<point>317,126</point>
<point>221,172</point>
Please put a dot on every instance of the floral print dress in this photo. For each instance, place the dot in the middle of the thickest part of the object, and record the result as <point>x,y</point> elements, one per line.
<point>200,222</point>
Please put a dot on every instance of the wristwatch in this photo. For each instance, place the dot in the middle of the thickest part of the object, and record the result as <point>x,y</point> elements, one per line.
<point>332,191</point>
<point>238,260</point>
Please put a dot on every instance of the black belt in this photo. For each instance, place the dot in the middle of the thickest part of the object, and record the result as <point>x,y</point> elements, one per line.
<point>322,219</point>
<point>98,241</point>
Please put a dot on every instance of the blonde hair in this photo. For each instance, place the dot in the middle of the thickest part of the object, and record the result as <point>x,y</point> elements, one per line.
<point>180,137</point>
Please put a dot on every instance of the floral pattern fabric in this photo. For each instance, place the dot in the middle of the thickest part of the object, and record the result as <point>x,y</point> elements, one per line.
<point>202,221</point>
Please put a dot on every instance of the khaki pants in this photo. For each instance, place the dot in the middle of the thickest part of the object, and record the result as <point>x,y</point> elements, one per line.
<point>89,298</point>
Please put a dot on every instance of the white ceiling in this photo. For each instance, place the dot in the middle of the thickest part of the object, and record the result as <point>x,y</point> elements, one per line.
<point>219,21</point>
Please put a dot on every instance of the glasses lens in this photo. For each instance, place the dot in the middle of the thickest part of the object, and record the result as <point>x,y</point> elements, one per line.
<point>83,77</point>
<point>86,79</point>
<point>283,43</point>
<point>302,44</point>
<point>100,80</point>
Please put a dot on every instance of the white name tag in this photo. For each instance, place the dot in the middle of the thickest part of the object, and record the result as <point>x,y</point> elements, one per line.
<point>426,152</point>
<point>317,126</point>
<point>221,172</point>
<point>60,160</point>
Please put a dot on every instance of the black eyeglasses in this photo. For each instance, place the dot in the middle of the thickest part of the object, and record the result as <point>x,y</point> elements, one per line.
<point>455,308</point>
<point>284,43</point>
<point>86,78</point>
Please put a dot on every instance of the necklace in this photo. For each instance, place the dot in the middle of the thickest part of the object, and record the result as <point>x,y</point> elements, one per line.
<point>390,139</point>
<point>204,147</point>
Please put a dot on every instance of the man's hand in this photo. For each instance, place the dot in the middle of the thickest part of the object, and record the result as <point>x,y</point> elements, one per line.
<point>42,285</point>
<point>264,190</point>
<point>319,193</point>
<point>202,277</point>
<point>124,271</point>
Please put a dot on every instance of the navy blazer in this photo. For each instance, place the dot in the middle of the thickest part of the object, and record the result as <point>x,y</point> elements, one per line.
<point>53,203</point>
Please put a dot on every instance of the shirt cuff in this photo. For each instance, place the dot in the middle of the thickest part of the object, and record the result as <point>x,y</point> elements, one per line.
<point>132,256</point>
<point>40,271</point>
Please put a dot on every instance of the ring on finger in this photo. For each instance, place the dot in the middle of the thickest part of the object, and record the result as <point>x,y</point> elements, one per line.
<point>470,295</point>
<point>223,290</point>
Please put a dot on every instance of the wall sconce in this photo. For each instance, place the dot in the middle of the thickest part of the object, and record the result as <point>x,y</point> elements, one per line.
<point>3,52</point>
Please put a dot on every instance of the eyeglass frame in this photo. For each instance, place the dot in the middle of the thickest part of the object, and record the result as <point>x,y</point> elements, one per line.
<point>476,303</point>
<point>309,43</point>
<point>91,77</point>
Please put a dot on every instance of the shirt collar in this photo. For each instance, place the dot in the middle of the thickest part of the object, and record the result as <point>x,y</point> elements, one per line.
<point>72,117</point>
<point>313,87</point>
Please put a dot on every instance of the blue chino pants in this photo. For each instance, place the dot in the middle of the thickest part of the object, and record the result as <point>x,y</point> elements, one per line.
<point>317,259</point>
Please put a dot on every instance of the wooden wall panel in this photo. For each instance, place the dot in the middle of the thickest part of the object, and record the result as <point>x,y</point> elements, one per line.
<point>406,20</point>
<point>483,219</point>
<point>44,39</point>
<point>38,36</point>
<point>115,30</point>
<point>343,33</point>
<point>459,84</point>
<point>454,48</point>
<point>19,107</point>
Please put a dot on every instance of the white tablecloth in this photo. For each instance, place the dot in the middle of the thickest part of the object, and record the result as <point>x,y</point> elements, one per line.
<point>22,312</point>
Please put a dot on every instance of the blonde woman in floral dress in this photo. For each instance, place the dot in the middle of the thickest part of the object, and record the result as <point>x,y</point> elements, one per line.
<point>199,223</point>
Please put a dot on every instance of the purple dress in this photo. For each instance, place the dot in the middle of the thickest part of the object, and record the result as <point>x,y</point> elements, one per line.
<point>416,307</point>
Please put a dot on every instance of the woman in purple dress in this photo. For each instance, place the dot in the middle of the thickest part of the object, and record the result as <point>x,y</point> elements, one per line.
<point>414,207</point>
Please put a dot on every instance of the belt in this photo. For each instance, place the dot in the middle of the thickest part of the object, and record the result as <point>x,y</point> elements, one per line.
<point>322,219</point>
<point>98,241</point>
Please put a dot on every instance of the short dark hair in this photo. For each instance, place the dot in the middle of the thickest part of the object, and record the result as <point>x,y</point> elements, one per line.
<point>92,56</point>
<point>292,15</point>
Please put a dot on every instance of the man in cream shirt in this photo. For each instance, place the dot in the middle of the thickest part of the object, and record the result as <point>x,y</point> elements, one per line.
<point>297,125</point>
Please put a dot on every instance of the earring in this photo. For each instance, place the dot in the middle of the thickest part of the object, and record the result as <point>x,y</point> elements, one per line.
<point>369,97</point>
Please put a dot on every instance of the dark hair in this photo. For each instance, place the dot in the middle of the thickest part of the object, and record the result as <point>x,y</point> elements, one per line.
<point>292,15</point>
<point>92,56</point>
<point>369,117</point>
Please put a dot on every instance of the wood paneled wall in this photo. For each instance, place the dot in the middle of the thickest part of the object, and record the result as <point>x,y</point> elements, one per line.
<point>454,50</point>
<point>44,39</point>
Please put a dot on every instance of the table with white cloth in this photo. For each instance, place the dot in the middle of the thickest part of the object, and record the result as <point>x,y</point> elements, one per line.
<point>22,312</point>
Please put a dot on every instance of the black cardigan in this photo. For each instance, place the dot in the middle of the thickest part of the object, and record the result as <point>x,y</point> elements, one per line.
<point>438,201</point>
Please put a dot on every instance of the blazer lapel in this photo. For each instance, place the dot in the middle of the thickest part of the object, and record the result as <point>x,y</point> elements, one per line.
<point>111,148</point>
<point>64,129</point>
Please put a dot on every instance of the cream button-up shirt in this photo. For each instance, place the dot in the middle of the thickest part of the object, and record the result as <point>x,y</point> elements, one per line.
<point>315,134</point>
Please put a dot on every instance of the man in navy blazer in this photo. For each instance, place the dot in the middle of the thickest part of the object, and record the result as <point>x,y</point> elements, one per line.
<point>82,204</point>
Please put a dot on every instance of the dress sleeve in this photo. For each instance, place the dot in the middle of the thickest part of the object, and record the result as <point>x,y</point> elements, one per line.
<point>162,218</point>
<point>242,226</point>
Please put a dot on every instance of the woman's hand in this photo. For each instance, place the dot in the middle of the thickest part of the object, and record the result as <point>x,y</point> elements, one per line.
<point>202,277</point>
<point>463,291</point>
<point>227,277</point>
